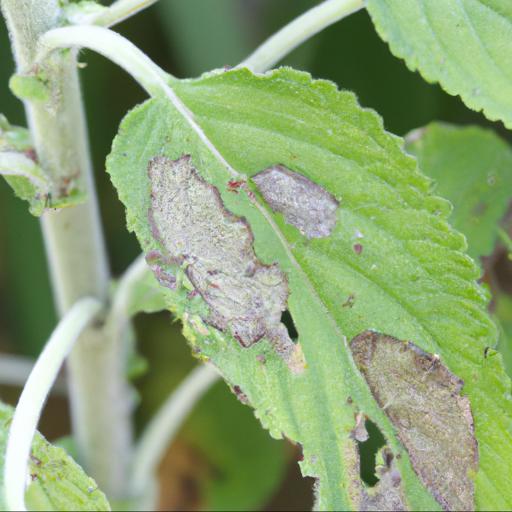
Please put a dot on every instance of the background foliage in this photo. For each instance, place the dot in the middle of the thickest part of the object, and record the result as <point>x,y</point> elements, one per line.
<point>188,38</point>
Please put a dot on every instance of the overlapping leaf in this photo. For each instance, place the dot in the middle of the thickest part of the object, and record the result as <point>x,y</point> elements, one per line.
<point>472,167</point>
<point>21,170</point>
<point>57,481</point>
<point>392,264</point>
<point>462,44</point>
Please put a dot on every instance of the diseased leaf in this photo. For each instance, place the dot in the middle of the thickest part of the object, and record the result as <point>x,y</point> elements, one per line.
<point>462,44</point>
<point>30,86</point>
<point>391,263</point>
<point>433,420</point>
<point>244,297</point>
<point>57,482</point>
<point>472,167</point>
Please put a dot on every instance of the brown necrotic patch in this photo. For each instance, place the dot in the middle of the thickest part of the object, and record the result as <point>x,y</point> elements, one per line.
<point>423,400</point>
<point>215,248</point>
<point>304,204</point>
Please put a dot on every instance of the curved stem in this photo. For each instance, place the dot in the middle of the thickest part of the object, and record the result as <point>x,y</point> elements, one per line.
<point>299,30</point>
<point>14,371</point>
<point>166,423</point>
<point>109,44</point>
<point>135,273</point>
<point>33,397</point>
<point>119,11</point>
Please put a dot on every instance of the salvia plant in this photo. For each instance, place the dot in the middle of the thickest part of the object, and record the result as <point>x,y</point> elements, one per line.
<point>327,270</point>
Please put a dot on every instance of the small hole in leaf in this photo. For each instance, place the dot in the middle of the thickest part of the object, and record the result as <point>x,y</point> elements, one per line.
<point>368,452</point>
<point>287,320</point>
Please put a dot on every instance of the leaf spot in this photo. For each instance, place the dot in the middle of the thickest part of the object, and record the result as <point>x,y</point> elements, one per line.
<point>358,248</point>
<point>242,397</point>
<point>303,203</point>
<point>215,250</point>
<point>423,400</point>
<point>349,303</point>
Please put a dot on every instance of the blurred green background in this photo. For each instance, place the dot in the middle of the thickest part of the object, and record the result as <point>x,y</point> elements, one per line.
<point>222,459</point>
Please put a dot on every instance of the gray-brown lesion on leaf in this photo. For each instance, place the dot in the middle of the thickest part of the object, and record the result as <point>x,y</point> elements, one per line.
<point>303,203</point>
<point>160,266</point>
<point>215,249</point>
<point>433,420</point>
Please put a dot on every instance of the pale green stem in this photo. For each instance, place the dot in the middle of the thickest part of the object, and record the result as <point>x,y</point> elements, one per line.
<point>119,11</point>
<point>14,371</point>
<point>163,427</point>
<point>135,273</point>
<point>117,323</point>
<point>100,397</point>
<point>299,30</point>
<point>34,394</point>
<point>109,44</point>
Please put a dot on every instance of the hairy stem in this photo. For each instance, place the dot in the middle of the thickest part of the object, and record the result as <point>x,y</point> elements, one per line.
<point>100,397</point>
<point>166,423</point>
<point>109,44</point>
<point>299,30</point>
<point>14,371</point>
<point>121,10</point>
<point>34,394</point>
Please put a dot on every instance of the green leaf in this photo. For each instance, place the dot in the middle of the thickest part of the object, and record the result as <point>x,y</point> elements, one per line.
<point>391,263</point>
<point>462,44</point>
<point>472,168</point>
<point>19,167</point>
<point>57,481</point>
<point>32,87</point>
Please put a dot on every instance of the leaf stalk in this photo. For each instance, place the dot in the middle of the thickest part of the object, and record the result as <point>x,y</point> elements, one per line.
<point>298,31</point>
